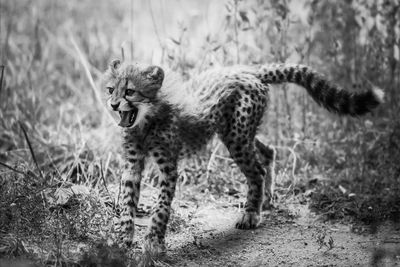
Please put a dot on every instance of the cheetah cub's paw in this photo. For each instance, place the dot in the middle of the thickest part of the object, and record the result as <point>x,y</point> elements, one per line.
<point>248,220</point>
<point>124,236</point>
<point>153,246</point>
<point>126,241</point>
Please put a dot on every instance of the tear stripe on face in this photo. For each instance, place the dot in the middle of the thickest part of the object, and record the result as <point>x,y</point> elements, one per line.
<point>108,104</point>
<point>143,109</point>
<point>124,105</point>
<point>113,113</point>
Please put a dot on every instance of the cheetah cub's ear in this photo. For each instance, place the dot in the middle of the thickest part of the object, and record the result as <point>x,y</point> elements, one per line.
<point>114,64</point>
<point>155,74</point>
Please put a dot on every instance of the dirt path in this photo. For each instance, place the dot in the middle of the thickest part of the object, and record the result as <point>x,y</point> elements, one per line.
<point>201,232</point>
<point>283,239</point>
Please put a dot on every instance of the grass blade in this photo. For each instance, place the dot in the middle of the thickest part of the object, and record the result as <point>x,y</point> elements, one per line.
<point>122,54</point>
<point>11,168</point>
<point>85,65</point>
<point>31,150</point>
<point>2,67</point>
<point>104,179</point>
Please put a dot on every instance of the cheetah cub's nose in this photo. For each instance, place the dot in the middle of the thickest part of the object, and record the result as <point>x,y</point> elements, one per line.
<point>115,106</point>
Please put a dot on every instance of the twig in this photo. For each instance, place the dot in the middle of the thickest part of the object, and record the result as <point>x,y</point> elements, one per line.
<point>31,150</point>
<point>2,67</point>
<point>11,168</point>
<point>224,158</point>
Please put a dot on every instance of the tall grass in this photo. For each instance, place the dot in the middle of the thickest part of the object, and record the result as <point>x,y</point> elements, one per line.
<point>55,133</point>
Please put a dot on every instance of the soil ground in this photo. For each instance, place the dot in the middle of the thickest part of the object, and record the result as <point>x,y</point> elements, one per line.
<point>290,235</point>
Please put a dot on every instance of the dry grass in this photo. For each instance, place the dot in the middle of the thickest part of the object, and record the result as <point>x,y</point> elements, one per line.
<point>59,152</point>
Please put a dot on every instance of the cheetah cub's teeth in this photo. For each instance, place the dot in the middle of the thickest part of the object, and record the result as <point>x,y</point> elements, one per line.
<point>128,117</point>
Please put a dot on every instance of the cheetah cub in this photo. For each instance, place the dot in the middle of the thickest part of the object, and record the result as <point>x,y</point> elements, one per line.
<point>162,120</point>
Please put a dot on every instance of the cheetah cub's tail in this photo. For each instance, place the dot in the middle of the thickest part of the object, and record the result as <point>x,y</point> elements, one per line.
<point>324,92</point>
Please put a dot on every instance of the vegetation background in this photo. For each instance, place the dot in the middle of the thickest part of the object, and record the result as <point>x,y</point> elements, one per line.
<point>59,154</point>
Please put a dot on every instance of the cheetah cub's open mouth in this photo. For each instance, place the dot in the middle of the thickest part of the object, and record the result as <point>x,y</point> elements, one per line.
<point>128,117</point>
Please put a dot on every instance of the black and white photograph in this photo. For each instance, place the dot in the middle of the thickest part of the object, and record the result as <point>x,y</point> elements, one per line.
<point>163,133</point>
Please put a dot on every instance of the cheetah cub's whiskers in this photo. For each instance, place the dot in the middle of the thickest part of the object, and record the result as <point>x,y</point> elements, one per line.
<point>162,117</point>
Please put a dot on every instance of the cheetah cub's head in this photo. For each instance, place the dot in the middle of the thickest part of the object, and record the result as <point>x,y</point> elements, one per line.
<point>132,90</point>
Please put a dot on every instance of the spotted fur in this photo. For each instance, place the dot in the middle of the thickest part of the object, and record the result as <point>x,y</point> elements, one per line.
<point>161,119</point>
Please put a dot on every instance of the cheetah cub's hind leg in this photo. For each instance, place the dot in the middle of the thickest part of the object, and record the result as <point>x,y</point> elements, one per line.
<point>242,113</point>
<point>266,155</point>
<point>245,157</point>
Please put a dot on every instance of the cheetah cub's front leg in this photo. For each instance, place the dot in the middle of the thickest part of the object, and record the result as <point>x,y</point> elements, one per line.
<point>155,238</point>
<point>131,179</point>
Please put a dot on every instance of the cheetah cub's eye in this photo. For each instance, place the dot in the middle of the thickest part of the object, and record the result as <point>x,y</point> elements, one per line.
<point>129,92</point>
<point>110,90</point>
